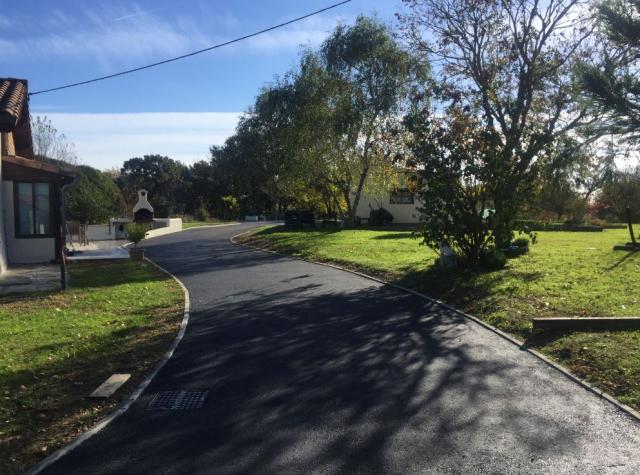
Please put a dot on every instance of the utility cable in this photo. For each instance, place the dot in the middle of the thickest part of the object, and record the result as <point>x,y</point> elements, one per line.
<point>204,50</point>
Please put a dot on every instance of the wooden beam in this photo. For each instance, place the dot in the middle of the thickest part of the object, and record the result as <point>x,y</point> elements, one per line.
<point>586,323</point>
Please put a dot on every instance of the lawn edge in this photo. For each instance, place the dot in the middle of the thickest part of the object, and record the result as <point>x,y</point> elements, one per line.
<point>126,404</point>
<point>627,410</point>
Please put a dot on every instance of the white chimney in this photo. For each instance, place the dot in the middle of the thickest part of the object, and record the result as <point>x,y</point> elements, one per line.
<point>143,202</point>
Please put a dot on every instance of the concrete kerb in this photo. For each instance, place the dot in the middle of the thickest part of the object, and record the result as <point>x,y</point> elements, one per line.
<point>609,398</point>
<point>126,404</point>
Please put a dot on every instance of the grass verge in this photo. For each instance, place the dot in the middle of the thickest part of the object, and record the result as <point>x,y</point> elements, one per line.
<point>565,274</point>
<point>116,317</point>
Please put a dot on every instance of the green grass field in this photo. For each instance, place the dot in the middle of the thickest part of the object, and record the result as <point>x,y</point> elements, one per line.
<point>116,317</point>
<point>565,274</point>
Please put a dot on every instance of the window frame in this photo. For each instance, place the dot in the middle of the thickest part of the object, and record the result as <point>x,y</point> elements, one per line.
<point>402,191</point>
<point>16,209</point>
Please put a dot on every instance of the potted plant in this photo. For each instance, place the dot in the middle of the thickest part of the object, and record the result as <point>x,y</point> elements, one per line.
<point>136,233</point>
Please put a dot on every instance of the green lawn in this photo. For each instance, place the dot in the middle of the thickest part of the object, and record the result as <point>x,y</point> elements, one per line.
<point>565,274</point>
<point>117,317</point>
<point>214,222</point>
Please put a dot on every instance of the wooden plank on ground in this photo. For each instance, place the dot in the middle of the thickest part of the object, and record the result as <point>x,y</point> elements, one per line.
<point>110,386</point>
<point>586,323</point>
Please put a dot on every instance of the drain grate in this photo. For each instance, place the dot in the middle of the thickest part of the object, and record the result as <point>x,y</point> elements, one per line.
<point>178,400</point>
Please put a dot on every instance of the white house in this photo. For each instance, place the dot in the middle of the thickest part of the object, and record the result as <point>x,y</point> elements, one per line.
<point>401,203</point>
<point>30,216</point>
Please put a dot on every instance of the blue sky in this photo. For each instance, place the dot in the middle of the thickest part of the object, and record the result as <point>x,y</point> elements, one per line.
<point>177,109</point>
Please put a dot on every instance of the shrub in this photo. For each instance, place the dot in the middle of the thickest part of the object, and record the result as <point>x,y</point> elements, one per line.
<point>230,207</point>
<point>201,214</point>
<point>521,242</point>
<point>136,233</point>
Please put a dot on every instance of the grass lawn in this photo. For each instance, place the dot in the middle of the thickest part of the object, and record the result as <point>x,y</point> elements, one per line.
<point>565,274</point>
<point>116,317</point>
<point>213,222</point>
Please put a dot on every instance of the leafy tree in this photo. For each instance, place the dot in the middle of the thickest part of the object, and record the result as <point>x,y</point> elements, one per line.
<point>161,176</point>
<point>612,83</point>
<point>509,63</point>
<point>571,175</point>
<point>94,198</point>
<point>367,78</point>
<point>456,158</point>
<point>620,191</point>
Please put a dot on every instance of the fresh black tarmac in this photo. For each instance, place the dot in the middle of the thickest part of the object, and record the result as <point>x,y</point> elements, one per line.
<point>314,370</point>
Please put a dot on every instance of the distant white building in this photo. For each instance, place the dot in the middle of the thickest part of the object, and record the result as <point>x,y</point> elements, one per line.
<point>401,203</point>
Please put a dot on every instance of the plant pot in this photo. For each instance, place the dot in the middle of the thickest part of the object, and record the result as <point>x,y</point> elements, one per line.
<point>136,254</point>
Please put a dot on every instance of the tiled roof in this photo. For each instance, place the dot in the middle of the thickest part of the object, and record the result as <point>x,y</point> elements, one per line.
<point>14,114</point>
<point>13,97</point>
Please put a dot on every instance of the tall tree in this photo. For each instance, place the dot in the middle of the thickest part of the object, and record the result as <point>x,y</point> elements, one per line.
<point>370,77</point>
<point>94,198</point>
<point>161,176</point>
<point>510,63</point>
<point>612,83</point>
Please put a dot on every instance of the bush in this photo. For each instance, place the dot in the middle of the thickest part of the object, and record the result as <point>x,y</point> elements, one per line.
<point>136,233</point>
<point>230,207</point>
<point>493,259</point>
<point>521,242</point>
<point>201,214</point>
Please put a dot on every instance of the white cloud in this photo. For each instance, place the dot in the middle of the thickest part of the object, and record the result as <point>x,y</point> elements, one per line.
<point>127,34</point>
<point>107,140</point>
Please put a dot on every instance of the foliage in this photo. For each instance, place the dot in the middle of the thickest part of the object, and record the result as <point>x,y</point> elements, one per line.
<point>136,233</point>
<point>508,63</point>
<point>94,198</point>
<point>230,208</point>
<point>521,242</point>
<point>317,137</point>
<point>620,191</point>
<point>201,214</point>
<point>161,176</point>
<point>457,168</point>
<point>611,82</point>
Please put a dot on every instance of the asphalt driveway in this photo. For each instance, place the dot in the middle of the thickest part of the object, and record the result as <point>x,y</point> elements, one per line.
<point>314,370</point>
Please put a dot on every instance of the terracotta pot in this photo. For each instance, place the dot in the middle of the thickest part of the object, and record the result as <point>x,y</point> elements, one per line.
<point>136,253</point>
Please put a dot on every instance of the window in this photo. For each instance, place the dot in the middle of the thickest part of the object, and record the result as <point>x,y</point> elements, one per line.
<point>32,208</point>
<point>401,197</point>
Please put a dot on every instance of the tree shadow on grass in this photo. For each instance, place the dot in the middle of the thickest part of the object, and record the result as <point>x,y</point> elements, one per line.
<point>47,405</point>
<point>336,381</point>
<point>401,235</point>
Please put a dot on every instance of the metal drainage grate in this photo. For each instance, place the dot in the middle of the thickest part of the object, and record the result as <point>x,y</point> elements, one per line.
<point>178,400</point>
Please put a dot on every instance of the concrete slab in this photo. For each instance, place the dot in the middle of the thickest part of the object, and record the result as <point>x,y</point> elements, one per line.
<point>34,278</point>
<point>110,386</point>
<point>99,250</point>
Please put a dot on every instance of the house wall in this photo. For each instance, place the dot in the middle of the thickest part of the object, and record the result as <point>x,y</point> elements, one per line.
<point>402,213</point>
<point>23,251</point>
<point>3,247</point>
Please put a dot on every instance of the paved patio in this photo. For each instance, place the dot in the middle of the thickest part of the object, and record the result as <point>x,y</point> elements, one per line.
<point>99,250</point>
<point>34,278</point>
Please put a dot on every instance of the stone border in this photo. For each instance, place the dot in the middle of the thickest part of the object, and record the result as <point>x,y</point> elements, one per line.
<point>632,413</point>
<point>126,404</point>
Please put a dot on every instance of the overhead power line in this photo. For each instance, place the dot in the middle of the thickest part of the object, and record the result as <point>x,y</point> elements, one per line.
<point>193,53</point>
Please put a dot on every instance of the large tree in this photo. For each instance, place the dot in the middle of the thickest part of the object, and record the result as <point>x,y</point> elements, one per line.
<point>94,198</point>
<point>161,176</point>
<point>509,63</point>
<point>612,82</point>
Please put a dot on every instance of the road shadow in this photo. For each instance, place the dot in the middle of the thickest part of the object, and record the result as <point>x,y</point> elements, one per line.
<point>305,380</point>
